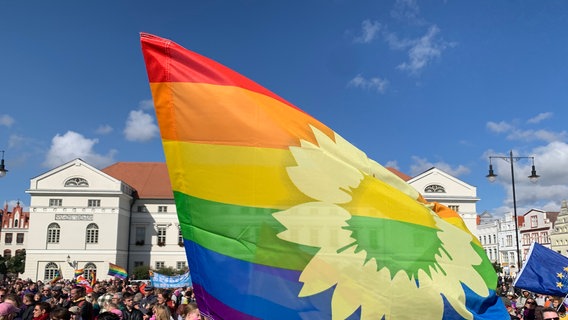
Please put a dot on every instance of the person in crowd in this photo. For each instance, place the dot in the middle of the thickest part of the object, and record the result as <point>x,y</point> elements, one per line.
<point>550,314</point>
<point>113,307</point>
<point>2,294</point>
<point>189,311</point>
<point>41,311</point>
<point>107,316</point>
<point>28,303</point>
<point>117,298</point>
<point>161,312</point>
<point>78,299</point>
<point>130,311</point>
<point>525,294</point>
<point>57,299</point>
<point>45,293</point>
<point>16,301</point>
<point>134,288</point>
<point>163,297</point>
<point>59,313</point>
<point>528,311</point>
<point>8,311</point>
<point>148,300</point>
<point>75,312</point>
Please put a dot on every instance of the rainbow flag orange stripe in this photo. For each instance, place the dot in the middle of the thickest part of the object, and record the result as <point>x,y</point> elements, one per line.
<point>282,218</point>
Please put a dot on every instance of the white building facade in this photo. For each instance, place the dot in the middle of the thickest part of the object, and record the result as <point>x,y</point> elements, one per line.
<point>85,218</point>
<point>436,185</point>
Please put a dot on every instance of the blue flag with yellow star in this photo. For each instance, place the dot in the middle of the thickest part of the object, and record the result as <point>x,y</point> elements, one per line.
<point>544,272</point>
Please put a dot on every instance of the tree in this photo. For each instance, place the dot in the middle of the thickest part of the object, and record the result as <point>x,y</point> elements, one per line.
<point>16,264</point>
<point>141,273</point>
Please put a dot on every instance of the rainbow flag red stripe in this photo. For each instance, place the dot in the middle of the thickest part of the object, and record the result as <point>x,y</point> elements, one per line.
<point>282,218</point>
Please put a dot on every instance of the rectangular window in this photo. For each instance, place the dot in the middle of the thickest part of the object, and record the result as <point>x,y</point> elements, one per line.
<point>55,202</point>
<point>180,237</point>
<point>161,236</point>
<point>180,265</point>
<point>141,209</point>
<point>92,234</point>
<point>140,235</point>
<point>509,240</point>
<point>53,235</point>
<point>20,238</point>
<point>162,209</point>
<point>94,203</point>
<point>160,264</point>
<point>455,208</point>
<point>534,221</point>
<point>138,263</point>
<point>8,237</point>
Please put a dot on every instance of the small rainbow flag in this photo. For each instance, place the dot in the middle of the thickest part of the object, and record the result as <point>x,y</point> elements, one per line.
<point>116,271</point>
<point>282,218</point>
<point>79,272</point>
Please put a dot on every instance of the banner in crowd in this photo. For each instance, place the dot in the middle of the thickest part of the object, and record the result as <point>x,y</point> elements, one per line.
<point>282,218</point>
<point>162,281</point>
<point>544,272</point>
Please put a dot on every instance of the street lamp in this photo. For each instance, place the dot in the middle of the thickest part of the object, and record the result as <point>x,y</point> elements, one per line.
<point>73,263</point>
<point>533,178</point>
<point>3,169</point>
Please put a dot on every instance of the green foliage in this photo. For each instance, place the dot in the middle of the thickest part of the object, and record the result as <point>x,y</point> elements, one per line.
<point>13,265</point>
<point>141,273</point>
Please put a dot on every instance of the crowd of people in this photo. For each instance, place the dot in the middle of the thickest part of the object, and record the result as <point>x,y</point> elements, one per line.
<point>105,300</point>
<point>525,305</point>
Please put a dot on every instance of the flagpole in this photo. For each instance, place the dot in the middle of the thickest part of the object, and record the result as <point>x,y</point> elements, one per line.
<point>562,303</point>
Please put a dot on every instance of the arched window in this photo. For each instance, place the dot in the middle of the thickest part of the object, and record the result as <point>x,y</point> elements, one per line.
<point>50,271</point>
<point>53,233</point>
<point>76,182</point>
<point>90,271</point>
<point>434,188</point>
<point>15,223</point>
<point>92,233</point>
<point>7,253</point>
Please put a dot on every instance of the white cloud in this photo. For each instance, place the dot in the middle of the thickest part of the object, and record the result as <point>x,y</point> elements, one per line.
<point>424,50</point>
<point>499,127</point>
<point>140,127</point>
<point>369,31</point>
<point>514,133</point>
<point>6,120</point>
<point>539,117</point>
<point>550,189</point>
<point>405,10</point>
<point>72,145</point>
<point>146,105</point>
<point>104,129</point>
<point>376,83</point>
<point>422,164</point>
<point>391,164</point>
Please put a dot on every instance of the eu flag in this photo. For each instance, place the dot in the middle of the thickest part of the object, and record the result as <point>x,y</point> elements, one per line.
<point>545,272</point>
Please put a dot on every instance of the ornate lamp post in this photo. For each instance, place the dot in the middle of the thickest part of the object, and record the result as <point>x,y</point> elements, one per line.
<point>533,177</point>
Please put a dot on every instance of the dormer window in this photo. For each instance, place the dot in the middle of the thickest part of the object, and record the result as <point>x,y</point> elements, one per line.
<point>76,182</point>
<point>434,188</point>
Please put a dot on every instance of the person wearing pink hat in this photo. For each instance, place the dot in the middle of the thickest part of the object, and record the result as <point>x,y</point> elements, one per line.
<point>8,311</point>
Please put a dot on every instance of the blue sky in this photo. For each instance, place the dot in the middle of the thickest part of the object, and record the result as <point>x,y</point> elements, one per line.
<point>413,84</point>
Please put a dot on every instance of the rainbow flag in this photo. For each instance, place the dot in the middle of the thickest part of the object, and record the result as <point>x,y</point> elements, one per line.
<point>116,271</point>
<point>282,218</point>
<point>57,277</point>
<point>79,272</point>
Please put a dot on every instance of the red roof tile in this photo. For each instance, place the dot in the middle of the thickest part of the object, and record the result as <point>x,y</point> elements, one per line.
<point>149,179</point>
